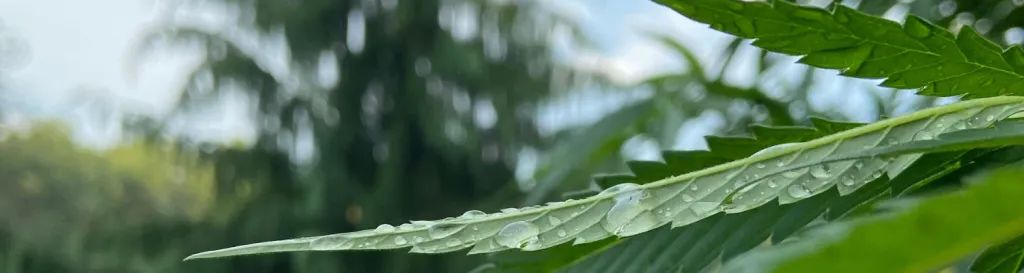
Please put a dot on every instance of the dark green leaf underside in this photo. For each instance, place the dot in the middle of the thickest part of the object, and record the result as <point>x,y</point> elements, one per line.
<point>916,55</point>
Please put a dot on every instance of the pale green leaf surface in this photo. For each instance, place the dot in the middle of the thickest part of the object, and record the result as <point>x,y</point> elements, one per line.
<point>628,209</point>
<point>906,241</point>
<point>658,255</point>
<point>916,55</point>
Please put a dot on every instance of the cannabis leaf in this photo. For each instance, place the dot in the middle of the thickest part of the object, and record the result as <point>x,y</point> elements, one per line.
<point>629,209</point>
<point>1006,257</point>
<point>916,55</point>
<point>986,212</point>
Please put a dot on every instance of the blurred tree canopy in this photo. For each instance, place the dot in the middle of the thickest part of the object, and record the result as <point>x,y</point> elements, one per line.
<point>413,110</point>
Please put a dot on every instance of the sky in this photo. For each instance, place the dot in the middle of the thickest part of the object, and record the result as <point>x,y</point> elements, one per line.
<point>80,55</point>
<point>81,62</point>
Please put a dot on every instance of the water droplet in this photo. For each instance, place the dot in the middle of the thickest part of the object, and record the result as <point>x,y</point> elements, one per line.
<point>422,223</point>
<point>554,221</point>
<point>406,227</point>
<point>859,165</point>
<point>821,171</point>
<point>694,188</point>
<point>687,198</point>
<point>923,135</point>
<point>443,230</point>
<point>893,141</point>
<point>561,232</point>
<point>780,163</point>
<point>759,165</point>
<point>330,242</point>
<point>627,206</point>
<point>793,173</point>
<point>772,184</point>
<point>400,240</point>
<point>940,125</point>
<point>385,228</point>
<point>417,239</point>
<point>876,175</point>
<point>704,208</point>
<point>510,210</point>
<point>473,214</point>
<point>848,181</point>
<point>775,148</point>
<point>619,188</point>
<point>517,234</point>
<point>960,126</point>
<point>990,118</point>
<point>453,242</point>
<point>798,191</point>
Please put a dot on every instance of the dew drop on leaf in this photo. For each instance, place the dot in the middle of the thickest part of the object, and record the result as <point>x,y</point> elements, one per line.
<point>759,165</point>
<point>517,234</point>
<point>798,191</point>
<point>821,171</point>
<point>775,148</point>
<point>704,208</point>
<point>923,135</point>
<point>509,210</point>
<point>330,242</point>
<point>793,173</point>
<point>772,184</point>
<point>554,221</point>
<point>385,228</point>
<point>473,214</point>
<point>453,242</point>
<point>990,118</point>
<point>627,206</point>
<point>443,230</point>
<point>400,240</point>
<point>619,188</point>
<point>687,198</point>
<point>417,239</point>
<point>561,232</point>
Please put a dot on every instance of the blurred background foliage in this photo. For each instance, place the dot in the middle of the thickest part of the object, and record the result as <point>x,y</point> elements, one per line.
<point>370,112</point>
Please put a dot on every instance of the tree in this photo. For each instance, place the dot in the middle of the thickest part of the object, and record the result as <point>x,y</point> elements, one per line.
<point>722,201</point>
<point>408,114</point>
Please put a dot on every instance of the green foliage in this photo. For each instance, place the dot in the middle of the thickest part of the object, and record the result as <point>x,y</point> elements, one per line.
<point>629,209</point>
<point>916,55</point>
<point>949,226</point>
<point>1006,257</point>
<point>720,201</point>
<point>57,194</point>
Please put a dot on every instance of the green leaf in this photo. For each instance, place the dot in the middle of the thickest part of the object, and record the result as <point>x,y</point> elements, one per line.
<point>1007,133</point>
<point>916,55</point>
<point>628,209</point>
<point>986,213</point>
<point>1006,257</point>
<point>659,255</point>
